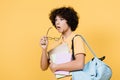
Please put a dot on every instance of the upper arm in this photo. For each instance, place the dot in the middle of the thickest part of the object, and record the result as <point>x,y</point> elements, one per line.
<point>80,60</point>
<point>79,46</point>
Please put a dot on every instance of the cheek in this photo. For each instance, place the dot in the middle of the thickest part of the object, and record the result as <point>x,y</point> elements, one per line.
<point>64,23</point>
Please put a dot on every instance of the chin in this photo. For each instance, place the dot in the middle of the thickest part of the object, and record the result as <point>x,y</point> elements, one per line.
<point>60,31</point>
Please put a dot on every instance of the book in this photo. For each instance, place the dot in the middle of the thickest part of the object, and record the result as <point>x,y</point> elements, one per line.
<point>59,55</point>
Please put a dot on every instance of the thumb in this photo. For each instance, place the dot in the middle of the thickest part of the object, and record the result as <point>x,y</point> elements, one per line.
<point>50,61</point>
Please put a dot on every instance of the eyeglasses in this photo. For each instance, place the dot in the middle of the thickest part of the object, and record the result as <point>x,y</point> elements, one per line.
<point>51,38</point>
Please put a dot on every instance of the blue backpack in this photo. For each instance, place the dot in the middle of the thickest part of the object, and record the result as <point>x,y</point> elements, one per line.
<point>95,69</point>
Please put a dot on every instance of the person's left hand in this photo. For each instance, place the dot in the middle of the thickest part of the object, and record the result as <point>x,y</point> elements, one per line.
<point>53,66</point>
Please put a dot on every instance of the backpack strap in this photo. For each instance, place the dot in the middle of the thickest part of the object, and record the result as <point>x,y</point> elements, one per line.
<point>73,57</point>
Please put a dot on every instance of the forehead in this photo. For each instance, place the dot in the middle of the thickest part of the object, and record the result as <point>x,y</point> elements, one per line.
<point>58,16</point>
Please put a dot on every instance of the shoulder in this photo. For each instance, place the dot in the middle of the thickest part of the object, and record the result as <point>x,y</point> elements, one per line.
<point>77,37</point>
<point>78,43</point>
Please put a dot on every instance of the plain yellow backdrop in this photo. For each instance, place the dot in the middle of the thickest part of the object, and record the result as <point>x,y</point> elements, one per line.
<point>24,22</point>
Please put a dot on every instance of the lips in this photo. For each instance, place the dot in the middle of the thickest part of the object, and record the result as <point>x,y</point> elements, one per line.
<point>58,27</point>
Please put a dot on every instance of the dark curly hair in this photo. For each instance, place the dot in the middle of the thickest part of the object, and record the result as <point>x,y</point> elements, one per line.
<point>67,13</point>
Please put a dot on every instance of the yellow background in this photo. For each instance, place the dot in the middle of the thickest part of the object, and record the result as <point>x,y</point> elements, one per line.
<point>23,22</point>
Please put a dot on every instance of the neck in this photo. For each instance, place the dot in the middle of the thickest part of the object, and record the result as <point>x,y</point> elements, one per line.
<point>66,33</point>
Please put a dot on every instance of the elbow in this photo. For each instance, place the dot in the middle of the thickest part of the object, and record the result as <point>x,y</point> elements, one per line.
<point>80,67</point>
<point>43,68</point>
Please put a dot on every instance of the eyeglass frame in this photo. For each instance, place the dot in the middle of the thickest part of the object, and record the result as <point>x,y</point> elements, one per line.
<point>50,38</point>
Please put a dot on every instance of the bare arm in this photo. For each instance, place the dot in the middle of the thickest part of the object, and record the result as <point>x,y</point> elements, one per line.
<point>44,60</point>
<point>76,64</point>
<point>44,63</point>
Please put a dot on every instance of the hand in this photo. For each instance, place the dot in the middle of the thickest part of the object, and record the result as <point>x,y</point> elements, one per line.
<point>53,66</point>
<point>44,42</point>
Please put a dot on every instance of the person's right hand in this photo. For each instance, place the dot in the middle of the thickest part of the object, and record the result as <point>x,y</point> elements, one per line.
<point>44,42</point>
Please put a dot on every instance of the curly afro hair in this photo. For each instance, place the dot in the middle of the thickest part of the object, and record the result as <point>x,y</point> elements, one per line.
<point>67,13</point>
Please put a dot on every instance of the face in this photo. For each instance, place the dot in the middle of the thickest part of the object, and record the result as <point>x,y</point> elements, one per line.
<point>61,24</point>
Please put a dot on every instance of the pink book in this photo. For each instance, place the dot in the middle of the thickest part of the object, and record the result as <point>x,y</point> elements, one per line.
<point>60,55</point>
<point>62,58</point>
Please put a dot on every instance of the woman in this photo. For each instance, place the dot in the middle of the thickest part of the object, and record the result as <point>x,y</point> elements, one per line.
<point>65,20</point>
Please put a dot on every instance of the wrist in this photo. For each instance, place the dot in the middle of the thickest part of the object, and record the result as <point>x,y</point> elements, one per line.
<point>44,49</point>
<point>57,67</point>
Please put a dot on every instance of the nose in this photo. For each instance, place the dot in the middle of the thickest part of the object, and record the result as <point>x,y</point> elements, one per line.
<point>57,22</point>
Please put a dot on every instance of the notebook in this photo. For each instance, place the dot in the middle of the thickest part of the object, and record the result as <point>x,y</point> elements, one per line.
<point>59,55</point>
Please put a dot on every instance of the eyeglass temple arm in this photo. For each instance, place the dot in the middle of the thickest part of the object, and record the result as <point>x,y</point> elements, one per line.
<point>48,31</point>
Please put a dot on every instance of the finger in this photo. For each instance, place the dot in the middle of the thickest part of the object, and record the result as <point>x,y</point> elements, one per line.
<point>42,42</point>
<point>42,39</point>
<point>45,38</point>
<point>50,61</point>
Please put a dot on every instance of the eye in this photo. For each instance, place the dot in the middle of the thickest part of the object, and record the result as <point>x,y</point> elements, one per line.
<point>61,19</point>
<point>55,19</point>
